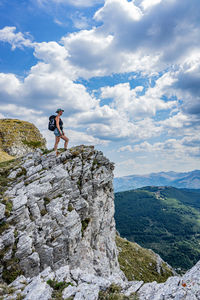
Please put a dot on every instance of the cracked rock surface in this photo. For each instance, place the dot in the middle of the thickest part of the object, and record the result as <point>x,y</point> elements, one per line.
<point>57,234</point>
<point>67,283</point>
<point>62,213</point>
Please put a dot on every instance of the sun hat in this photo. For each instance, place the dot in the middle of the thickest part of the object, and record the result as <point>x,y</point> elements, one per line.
<point>59,109</point>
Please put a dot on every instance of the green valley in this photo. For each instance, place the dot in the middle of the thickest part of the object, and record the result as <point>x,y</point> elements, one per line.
<point>164,219</point>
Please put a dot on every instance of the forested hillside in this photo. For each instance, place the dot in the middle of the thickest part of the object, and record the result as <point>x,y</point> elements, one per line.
<point>165,219</point>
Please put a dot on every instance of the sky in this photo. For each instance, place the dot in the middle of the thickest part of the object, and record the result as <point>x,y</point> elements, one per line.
<point>126,73</point>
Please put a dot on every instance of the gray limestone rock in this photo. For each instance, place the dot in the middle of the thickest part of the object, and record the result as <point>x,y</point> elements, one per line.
<point>134,287</point>
<point>69,292</point>
<point>13,174</point>
<point>19,201</point>
<point>19,283</point>
<point>8,237</point>
<point>24,246</point>
<point>2,211</point>
<point>87,292</point>
<point>179,288</point>
<point>63,274</point>
<point>37,289</point>
<point>31,264</point>
<point>87,286</point>
<point>63,210</point>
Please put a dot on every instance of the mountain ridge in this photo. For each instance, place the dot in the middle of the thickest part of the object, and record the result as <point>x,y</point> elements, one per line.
<point>190,180</point>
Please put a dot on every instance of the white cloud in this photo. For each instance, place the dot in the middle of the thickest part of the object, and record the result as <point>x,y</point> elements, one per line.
<point>50,89</point>
<point>113,10</point>
<point>128,40</point>
<point>50,52</point>
<point>146,4</point>
<point>9,84</point>
<point>89,52</point>
<point>95,53</point>
<point>99,115</point>
<point>127,100</point>
<point>49,83</point>
<point>125,148</point>
<point>15,110</point>
<point>181,149</point>
<point>77,137</point>
<point>181,124</point>
<point>7,34</point>
<point>80,21</point>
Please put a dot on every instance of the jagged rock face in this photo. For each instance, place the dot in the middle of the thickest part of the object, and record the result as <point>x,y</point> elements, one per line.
<point>61,213</point>
<point>19,137</point>
<point>57,228</point>
<point>186,287</point>
<point>79,285</point>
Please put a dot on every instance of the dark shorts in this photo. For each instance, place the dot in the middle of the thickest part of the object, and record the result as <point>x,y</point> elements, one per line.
<point>57,132</point>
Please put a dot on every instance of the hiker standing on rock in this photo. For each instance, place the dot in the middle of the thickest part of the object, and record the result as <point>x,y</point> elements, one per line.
<point>58,131</point>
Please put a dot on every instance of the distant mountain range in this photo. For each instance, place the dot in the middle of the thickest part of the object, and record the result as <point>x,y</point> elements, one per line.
<point>189,180</point>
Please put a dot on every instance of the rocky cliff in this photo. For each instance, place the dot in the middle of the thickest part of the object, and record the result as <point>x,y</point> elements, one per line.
<point>61,212</point>
<point>57,233</point>
<point>18,138</point>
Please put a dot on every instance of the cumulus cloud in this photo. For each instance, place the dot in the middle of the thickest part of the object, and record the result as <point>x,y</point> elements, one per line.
<point>151,38</point>
<point>127,100</point>
<point>94,53</point>
<point>50,83</point>
<point>147,4</point>
<point>157,157</point>
<point>17,40</point>
<point>78,137</point>
<point>9,84</point>
<point>125,148</point>
<point>181,124</point>
<point>113,10</point>
<point>138,39</point>
<point>122,129</point>
<point>187,84</point>
<point>19,110</point>
<point>89,52</point>
<point>176,148</point>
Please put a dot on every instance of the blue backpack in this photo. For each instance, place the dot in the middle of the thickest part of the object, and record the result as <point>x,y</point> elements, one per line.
<point>52,123</point>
